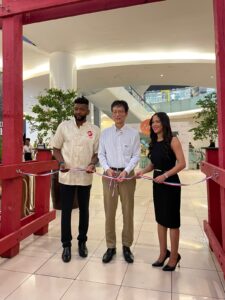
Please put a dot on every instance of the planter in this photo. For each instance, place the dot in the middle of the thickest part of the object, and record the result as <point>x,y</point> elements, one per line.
<point>55,193</point>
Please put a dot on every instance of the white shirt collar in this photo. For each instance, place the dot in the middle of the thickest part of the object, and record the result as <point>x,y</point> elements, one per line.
<point>119,129</point>
<point>83,125</point>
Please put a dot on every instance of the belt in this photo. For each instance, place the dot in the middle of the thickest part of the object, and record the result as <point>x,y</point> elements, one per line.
<point>117,169</point>
<point>158,170</point>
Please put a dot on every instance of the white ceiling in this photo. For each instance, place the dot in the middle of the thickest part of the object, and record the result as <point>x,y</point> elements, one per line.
<point>168,27</point>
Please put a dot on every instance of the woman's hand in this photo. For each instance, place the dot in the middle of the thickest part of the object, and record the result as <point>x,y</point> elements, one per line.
<point>160,178</point>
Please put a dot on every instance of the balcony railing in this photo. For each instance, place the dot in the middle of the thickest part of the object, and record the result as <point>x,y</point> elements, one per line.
<point>140,99</point>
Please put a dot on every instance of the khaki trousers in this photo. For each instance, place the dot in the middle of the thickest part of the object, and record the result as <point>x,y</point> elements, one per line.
<point>112,190</point>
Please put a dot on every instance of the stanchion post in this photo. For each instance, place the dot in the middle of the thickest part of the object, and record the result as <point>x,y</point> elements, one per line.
<point>42,190</point>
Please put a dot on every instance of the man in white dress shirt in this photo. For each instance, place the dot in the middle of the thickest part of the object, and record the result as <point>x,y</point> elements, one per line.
<point>119,152</point>
<point>75,145</point>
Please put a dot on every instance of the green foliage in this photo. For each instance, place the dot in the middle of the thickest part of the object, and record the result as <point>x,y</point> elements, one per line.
<point>206,119</point>
<point>54,106</point>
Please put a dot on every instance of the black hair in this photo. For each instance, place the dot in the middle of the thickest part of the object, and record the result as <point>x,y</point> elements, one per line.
<point>27,139</point>
<point>81,100</point>
<point>167,133</point>
<point>120,103</point>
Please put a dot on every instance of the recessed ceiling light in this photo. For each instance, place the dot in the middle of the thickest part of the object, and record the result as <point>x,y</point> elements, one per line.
<point>161,75</point>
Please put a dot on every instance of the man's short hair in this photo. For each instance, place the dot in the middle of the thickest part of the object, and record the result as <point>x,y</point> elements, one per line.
<point>120,103</point>
<point>81,100</point>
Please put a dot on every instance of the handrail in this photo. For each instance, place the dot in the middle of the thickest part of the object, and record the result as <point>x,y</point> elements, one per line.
<point>139,98</point>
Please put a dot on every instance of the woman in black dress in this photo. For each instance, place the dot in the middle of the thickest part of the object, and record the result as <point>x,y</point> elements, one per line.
<point>166,159</point>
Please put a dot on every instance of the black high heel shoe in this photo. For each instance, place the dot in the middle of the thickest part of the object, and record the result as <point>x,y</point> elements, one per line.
<point>161,263</point>
<point>172,268</point>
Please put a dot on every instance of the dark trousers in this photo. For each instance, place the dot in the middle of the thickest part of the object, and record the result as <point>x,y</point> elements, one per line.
<point>67,193</point>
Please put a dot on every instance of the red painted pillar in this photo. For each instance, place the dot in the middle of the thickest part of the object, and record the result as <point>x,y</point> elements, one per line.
<point>42,190</point>
<point>213,193</point>
<point>12,125</point>
<point>219,19</point>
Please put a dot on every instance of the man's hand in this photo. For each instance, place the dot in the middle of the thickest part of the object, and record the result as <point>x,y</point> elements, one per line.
<point>62,167</point>
<point>121,176</point>
<point>90,168</point>
<point>110,173</point>
<point>139,173</point>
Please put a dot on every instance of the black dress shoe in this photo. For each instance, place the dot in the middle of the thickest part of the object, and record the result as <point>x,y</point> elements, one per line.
<point>161,263</point>
<point>107,257</point>
<point>66,255</point>
<point>128,255</point>
<point>83,251</point>
<point>172,268</point>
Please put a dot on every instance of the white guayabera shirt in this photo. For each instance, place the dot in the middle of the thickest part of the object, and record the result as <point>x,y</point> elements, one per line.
<point>77,145</point>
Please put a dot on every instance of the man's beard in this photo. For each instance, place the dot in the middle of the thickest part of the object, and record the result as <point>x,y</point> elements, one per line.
<point>80,118</point>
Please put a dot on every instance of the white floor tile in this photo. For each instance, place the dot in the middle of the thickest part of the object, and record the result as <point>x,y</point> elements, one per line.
<point>190,297</point>
<point>41,287</point>
<point>197,259</point>
<point>23,263</point>
<point>56,267</point>
<point>197,282</point>
<point>91,291</point>
<point>146,277</point>
<point>111,273</point>
<point>9,281</point>
<point>141,294</point>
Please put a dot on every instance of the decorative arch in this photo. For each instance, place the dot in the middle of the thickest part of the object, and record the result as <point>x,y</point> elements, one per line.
<point>13,15</point>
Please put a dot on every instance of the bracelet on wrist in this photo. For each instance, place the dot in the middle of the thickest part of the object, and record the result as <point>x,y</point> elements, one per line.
<point>91,164</point>
<point>61,163</point>
<point>166,175</point>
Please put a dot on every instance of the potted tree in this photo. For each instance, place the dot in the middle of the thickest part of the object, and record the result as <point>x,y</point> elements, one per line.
<point>206,120</point>
<point>53,107</point>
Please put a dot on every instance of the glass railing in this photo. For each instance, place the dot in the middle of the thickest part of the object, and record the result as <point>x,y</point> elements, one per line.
<point>139,98</point>
<point>176,94</point>
<point>185,99</point>
<point>175,106</point>
<point>175,100</point>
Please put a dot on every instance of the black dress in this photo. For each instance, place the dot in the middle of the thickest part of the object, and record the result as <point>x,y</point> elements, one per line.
<point>166,198</point>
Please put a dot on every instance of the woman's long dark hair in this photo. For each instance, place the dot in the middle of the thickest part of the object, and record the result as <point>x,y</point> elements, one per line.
<point>167,133</point>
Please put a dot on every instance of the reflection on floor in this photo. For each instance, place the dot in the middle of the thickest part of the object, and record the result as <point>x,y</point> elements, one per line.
<point>39,273</point>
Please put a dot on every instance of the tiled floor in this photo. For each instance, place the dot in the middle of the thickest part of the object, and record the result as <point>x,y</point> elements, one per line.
<point>39,273</point>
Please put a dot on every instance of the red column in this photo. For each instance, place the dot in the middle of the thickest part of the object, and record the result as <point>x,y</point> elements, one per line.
<point>219,19</point>
<point>213,195</point>
<point>12,124</point>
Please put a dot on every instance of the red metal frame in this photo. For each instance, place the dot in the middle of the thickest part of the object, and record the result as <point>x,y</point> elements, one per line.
<point>44,10</point>
<point>13,15</point>
<point>215,165</point>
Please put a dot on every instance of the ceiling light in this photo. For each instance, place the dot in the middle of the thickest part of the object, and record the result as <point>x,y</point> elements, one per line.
<point>159,57</point>
<point>40,70</point>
